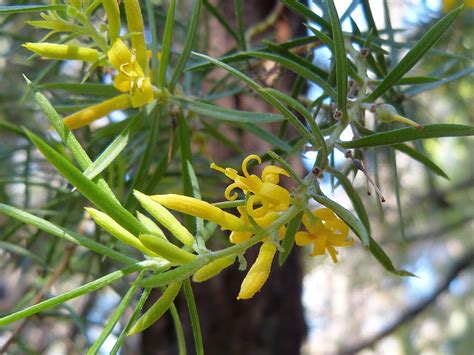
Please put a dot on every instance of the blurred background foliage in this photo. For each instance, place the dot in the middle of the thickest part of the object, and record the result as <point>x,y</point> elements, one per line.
<point>380,312</point>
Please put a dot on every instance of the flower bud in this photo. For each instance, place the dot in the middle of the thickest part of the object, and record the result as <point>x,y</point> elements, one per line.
<point>112,12</point>
<point>166,249</point>
<point>259,272</point>
<point>92,113</point>
<point>156,311</point>
<point>162,215</point>
<point>115,229</point>
<point>213,268</point>
<point>151,226</point>
<point>387,113</point>
<point>63,51</point>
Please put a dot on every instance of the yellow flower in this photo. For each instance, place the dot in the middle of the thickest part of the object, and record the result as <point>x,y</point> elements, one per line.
<point>264,190</point>
<point>201,209</point>
<point>264,222</point>
<point>326,231</point>
<point>131,76</point>
<point>90,114</point>
<point>259,272</point>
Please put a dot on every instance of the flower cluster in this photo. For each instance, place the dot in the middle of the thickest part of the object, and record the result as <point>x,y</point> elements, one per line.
<point>107,50</point>
<point>260,217</point>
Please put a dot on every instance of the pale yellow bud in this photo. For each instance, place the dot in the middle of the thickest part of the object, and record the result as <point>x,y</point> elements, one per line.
<point>92,113</point>
<point>162,215</point>
<point>116,230</point>
<point>259,272</point>
<point>63,51</point>
<point>213,268</point>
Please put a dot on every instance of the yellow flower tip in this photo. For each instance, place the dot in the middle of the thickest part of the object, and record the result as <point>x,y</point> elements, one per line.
<point>213,268</point>
<point>90,114</point>
<point>259,272</point>
<point>325,231</point>
<point>201,209</point>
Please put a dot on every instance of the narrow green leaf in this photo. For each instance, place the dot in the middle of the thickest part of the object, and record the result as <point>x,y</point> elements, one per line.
<point>90,190</point>
<point>178,327</point>
<point>289,240</point>
<point>346,216</point>
<point>114,149</point>
<point>305,12</point>
<point>238,57</point>
<point>340,58</point>
<point>19,250</point>
<point>397,184</point>
<point>63,233</point>
<point>267,136</point>
<point>12,128</point>
<point>188,44</point>
<point>215,12</point>
<point>194,316</point>
<point>415,54</point>
<point>410,134</point>
<point>296,105</point>
<point>298,68</point>
<point>385,261</point>
<point>239,15</point>
<point>267,96</point>
<point>15,9</point>
<point>136,313</point>
<point>353,196</point>
<point>157,309</point>
<point>420,157</point>
<point>67,136</point>
<point>93,89</point>
<point>154,39</point>
<point>166,45</point>
<point>111,323</point>
<point>226,114</point>
<point>82,290</point>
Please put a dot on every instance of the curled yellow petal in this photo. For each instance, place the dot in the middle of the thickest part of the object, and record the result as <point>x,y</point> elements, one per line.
<point>259,272</point>
<point>63,51</point>
<point>202,209</point>
<point>92,113</point>
<point>213,268</point>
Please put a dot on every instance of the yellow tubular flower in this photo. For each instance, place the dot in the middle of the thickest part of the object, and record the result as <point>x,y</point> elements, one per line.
<point>92,113</point>
<point>259,272</point>
<point>63,51</point>
<point>131,76</point>
<point>201,209</point>
<point>326,231</point>
<point>135,26</point>
<point>264,191</point>
<point>112,11</point>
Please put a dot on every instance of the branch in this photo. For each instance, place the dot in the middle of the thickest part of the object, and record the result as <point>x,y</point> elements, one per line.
<point>462,264</point>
